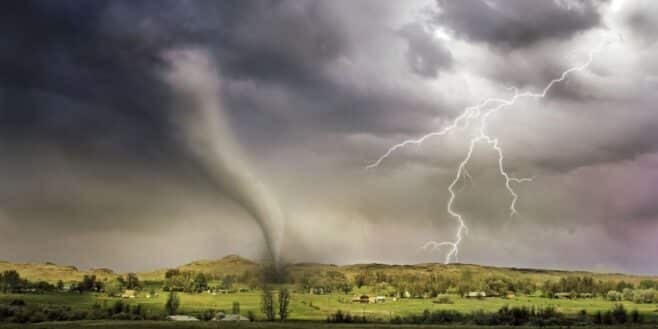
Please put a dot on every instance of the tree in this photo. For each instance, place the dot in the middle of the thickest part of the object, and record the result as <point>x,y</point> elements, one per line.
<point>132,281</point>
<point>267,304</point>
<point>114,287</point>
<point>619,314</point>
<point>236,308</point>
<point>89,283</point>
<point>10,281</point>
<point>170,273</point>
<point>227,282</point>
<point>284,302</point>
<point>200,283</point>
<point>60,285</point>
<point>172,304</point>
<point>614,295</point>
<point>361,279</point>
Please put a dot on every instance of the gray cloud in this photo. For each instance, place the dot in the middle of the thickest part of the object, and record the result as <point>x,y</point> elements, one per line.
<point>426,55</point>
<point>641,18</point>
<point>517,23</point>
<point>313,92</point>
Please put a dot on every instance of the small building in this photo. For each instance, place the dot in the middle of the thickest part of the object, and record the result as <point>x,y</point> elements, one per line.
<point>316,291</point>
<point>475,294</point>
<point>364,299</point>
<point>380,299</point>
<point>182,318</point>
<point>129,293</point>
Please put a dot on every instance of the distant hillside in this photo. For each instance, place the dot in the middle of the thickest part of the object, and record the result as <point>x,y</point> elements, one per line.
<point>229,265</point>
<point>236,265</point>
<point>456,270</point>
<point>52,272</point>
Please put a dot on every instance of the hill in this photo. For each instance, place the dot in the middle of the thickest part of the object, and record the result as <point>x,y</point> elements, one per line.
<point>236,265</point>
<point>228,265</point>
<point>52,272</point>
<point>458,270</point>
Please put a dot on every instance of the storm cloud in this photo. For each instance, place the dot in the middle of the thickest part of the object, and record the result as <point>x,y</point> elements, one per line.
<point>517,23</point>
<point>93,153</point>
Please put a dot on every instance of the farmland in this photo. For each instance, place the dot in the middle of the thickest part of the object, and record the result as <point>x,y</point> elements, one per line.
<point>319,291</point>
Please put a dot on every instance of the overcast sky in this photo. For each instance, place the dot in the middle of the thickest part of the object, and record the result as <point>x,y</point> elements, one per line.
<point>100,164</point>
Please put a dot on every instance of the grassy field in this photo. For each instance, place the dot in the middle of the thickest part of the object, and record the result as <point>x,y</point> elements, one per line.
<point>229,325</point>
<point>317,307</point>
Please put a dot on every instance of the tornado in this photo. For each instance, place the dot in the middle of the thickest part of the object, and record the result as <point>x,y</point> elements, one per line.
<point>201,120</point>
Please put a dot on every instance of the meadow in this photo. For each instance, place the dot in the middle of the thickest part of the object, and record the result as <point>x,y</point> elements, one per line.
<point>522,288</point>
<point>318,307</point>
<point>231,325</point>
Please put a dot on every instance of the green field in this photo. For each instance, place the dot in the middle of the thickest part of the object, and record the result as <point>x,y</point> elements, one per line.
<point>229,325</point>
<point>317,307</point>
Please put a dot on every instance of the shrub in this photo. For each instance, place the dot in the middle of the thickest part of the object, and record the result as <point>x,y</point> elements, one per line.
<point>614,295</point>
<point>207,315</point>
<point>17,302</point>
<point>619,314</point>
<point>635,316</point>
<point>345,317</point>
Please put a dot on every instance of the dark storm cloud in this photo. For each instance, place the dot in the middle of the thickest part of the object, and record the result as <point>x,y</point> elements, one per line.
<point>517,23</point>
<point>426,54</point>
<point>103,55</point>
<point>314,91</point>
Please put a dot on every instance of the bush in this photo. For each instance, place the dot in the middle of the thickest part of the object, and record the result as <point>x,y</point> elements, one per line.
<point>345,317</point>
<point>207,315</point>
<point>17,302</point>
<point>619,314</point>
<point>635,316</point>
<point>172,304</point>
<point>614,295</point>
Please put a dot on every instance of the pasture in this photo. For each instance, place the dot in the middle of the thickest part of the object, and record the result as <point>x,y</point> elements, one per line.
<point>318,307</point>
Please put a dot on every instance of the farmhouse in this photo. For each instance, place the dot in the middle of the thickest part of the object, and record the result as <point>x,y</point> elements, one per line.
<point>380,299</point>
<point>475,294</point>
<point>129,293</point>
<point>564,295</point>
<point>364,299</point>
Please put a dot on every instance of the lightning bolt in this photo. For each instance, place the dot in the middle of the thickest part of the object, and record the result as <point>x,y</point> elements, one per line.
<point>482,112</point>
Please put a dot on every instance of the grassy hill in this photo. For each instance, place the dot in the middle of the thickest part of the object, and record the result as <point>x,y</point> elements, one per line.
<point>228,265</point>
<point>476,271</point>
<point>236,265</point>
<point>52,272</point>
